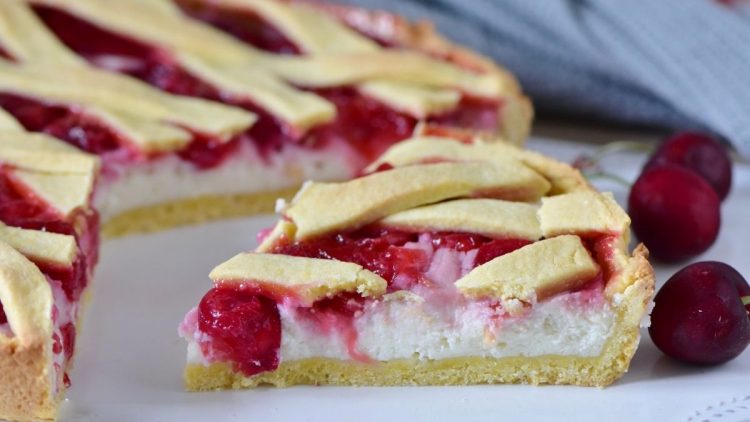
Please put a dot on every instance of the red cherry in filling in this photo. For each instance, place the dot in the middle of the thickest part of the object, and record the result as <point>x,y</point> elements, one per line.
<point>701,153</point>
<point>699,316</point>
<point>675,212</point>
<point>498,247</point>
<point>3,317</point>
<point>245,328</point>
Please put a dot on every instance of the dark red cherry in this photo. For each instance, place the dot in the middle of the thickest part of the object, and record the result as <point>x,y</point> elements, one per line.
<point>699,316</point>
<point>699,152</point>
<point>675,212</point>
<point>245,328</point>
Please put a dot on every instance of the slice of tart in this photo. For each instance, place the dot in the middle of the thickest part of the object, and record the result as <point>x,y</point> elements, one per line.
<point>446,263</point>
<point>49,241</point>
<point>202,109</point>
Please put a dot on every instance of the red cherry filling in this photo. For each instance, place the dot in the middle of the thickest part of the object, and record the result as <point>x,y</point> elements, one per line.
<point>674,212</point>
<point>73,279</point>
<point>207,151</point>
<point>471,113</point>
<point>3,317</point>
<point>498,247</point>
<point>701,153</point>
<point>336,315</point>
<point>245,329</point>
<point>243,24</point>
<point>699,316</point>
<point>19,208</point>
<point>61,122</point>
<point>382,251</point>
<point>368,126</point>
<point>68,332</point>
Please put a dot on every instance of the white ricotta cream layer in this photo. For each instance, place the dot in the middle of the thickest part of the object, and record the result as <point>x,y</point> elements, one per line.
<point>573,324</point>
<point>134,185</point>
<point>402,329</point>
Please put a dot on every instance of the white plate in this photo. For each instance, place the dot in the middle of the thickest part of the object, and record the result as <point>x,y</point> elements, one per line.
<point>130,359</point>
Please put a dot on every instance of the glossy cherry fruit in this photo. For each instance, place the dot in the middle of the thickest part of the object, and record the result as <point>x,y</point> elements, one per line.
<point>700,317</point>
<point>245,328</point>
<point>674,212</point>
<point>699,152</point>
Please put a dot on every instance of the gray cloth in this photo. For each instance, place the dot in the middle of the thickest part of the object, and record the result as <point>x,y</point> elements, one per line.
<point>682,64</point>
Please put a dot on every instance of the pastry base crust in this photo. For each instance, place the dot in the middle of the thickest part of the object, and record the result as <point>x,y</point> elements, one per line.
<point>598,371</point>
<point>192,211</point>
<point>26,392</point>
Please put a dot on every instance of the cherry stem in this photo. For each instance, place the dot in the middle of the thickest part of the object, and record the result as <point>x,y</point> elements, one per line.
<point>607,176</point>
<point>617,146</point>
<point>589,164</point>
<point>745,300</point>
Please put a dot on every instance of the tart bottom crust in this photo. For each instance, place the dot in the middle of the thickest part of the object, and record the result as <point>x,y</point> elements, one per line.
<point>598,371</point>
<point>192,211</point>
<point>26,382</point>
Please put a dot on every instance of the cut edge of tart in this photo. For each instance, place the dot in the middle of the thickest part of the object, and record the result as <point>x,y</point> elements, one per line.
<point>48,249</point>
<point>437,267</point>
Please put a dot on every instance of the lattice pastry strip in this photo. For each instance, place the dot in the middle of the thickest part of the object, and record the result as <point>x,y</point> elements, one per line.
<point>59,174</point>
<point>240,69</point>
<point>318,34</point>
<point>54,248</point>
<point>421,148</point>
<point>532,273</point>
<point>489,217</point>
<point>27,39</point>
<point>8,123</point>
<point>308,279</point>
<point>146,116</point>
<point>407,187</point>
<point>26,297</point>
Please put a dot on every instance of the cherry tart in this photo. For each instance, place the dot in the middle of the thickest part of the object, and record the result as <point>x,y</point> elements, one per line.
<point>49,240</point>
<point>446,262</point>
<point>203,109</point>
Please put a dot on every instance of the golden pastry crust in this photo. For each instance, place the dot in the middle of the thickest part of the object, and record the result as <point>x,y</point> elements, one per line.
<point>562,177</point>
<point>308,279</point>
<point>26,356</point>
<point>367,199</point>
<point>490,217</point>
<point>59,249</point>
<point>192,211</point>
<point>532,273</point>
<point>516,113</point>
<point>582,212</point>
<point>598,371</point>
<point>27,392</point>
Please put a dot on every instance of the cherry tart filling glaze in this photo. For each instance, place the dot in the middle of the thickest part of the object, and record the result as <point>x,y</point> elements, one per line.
<point>28,222</point>
<point>241,323</point>
<point>361,124</point>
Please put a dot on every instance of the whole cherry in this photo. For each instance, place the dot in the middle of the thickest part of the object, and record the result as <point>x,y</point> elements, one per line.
<point>245,328</point>
<point>674,212</point>
<point>702,314</point>
<point>699,152</point>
